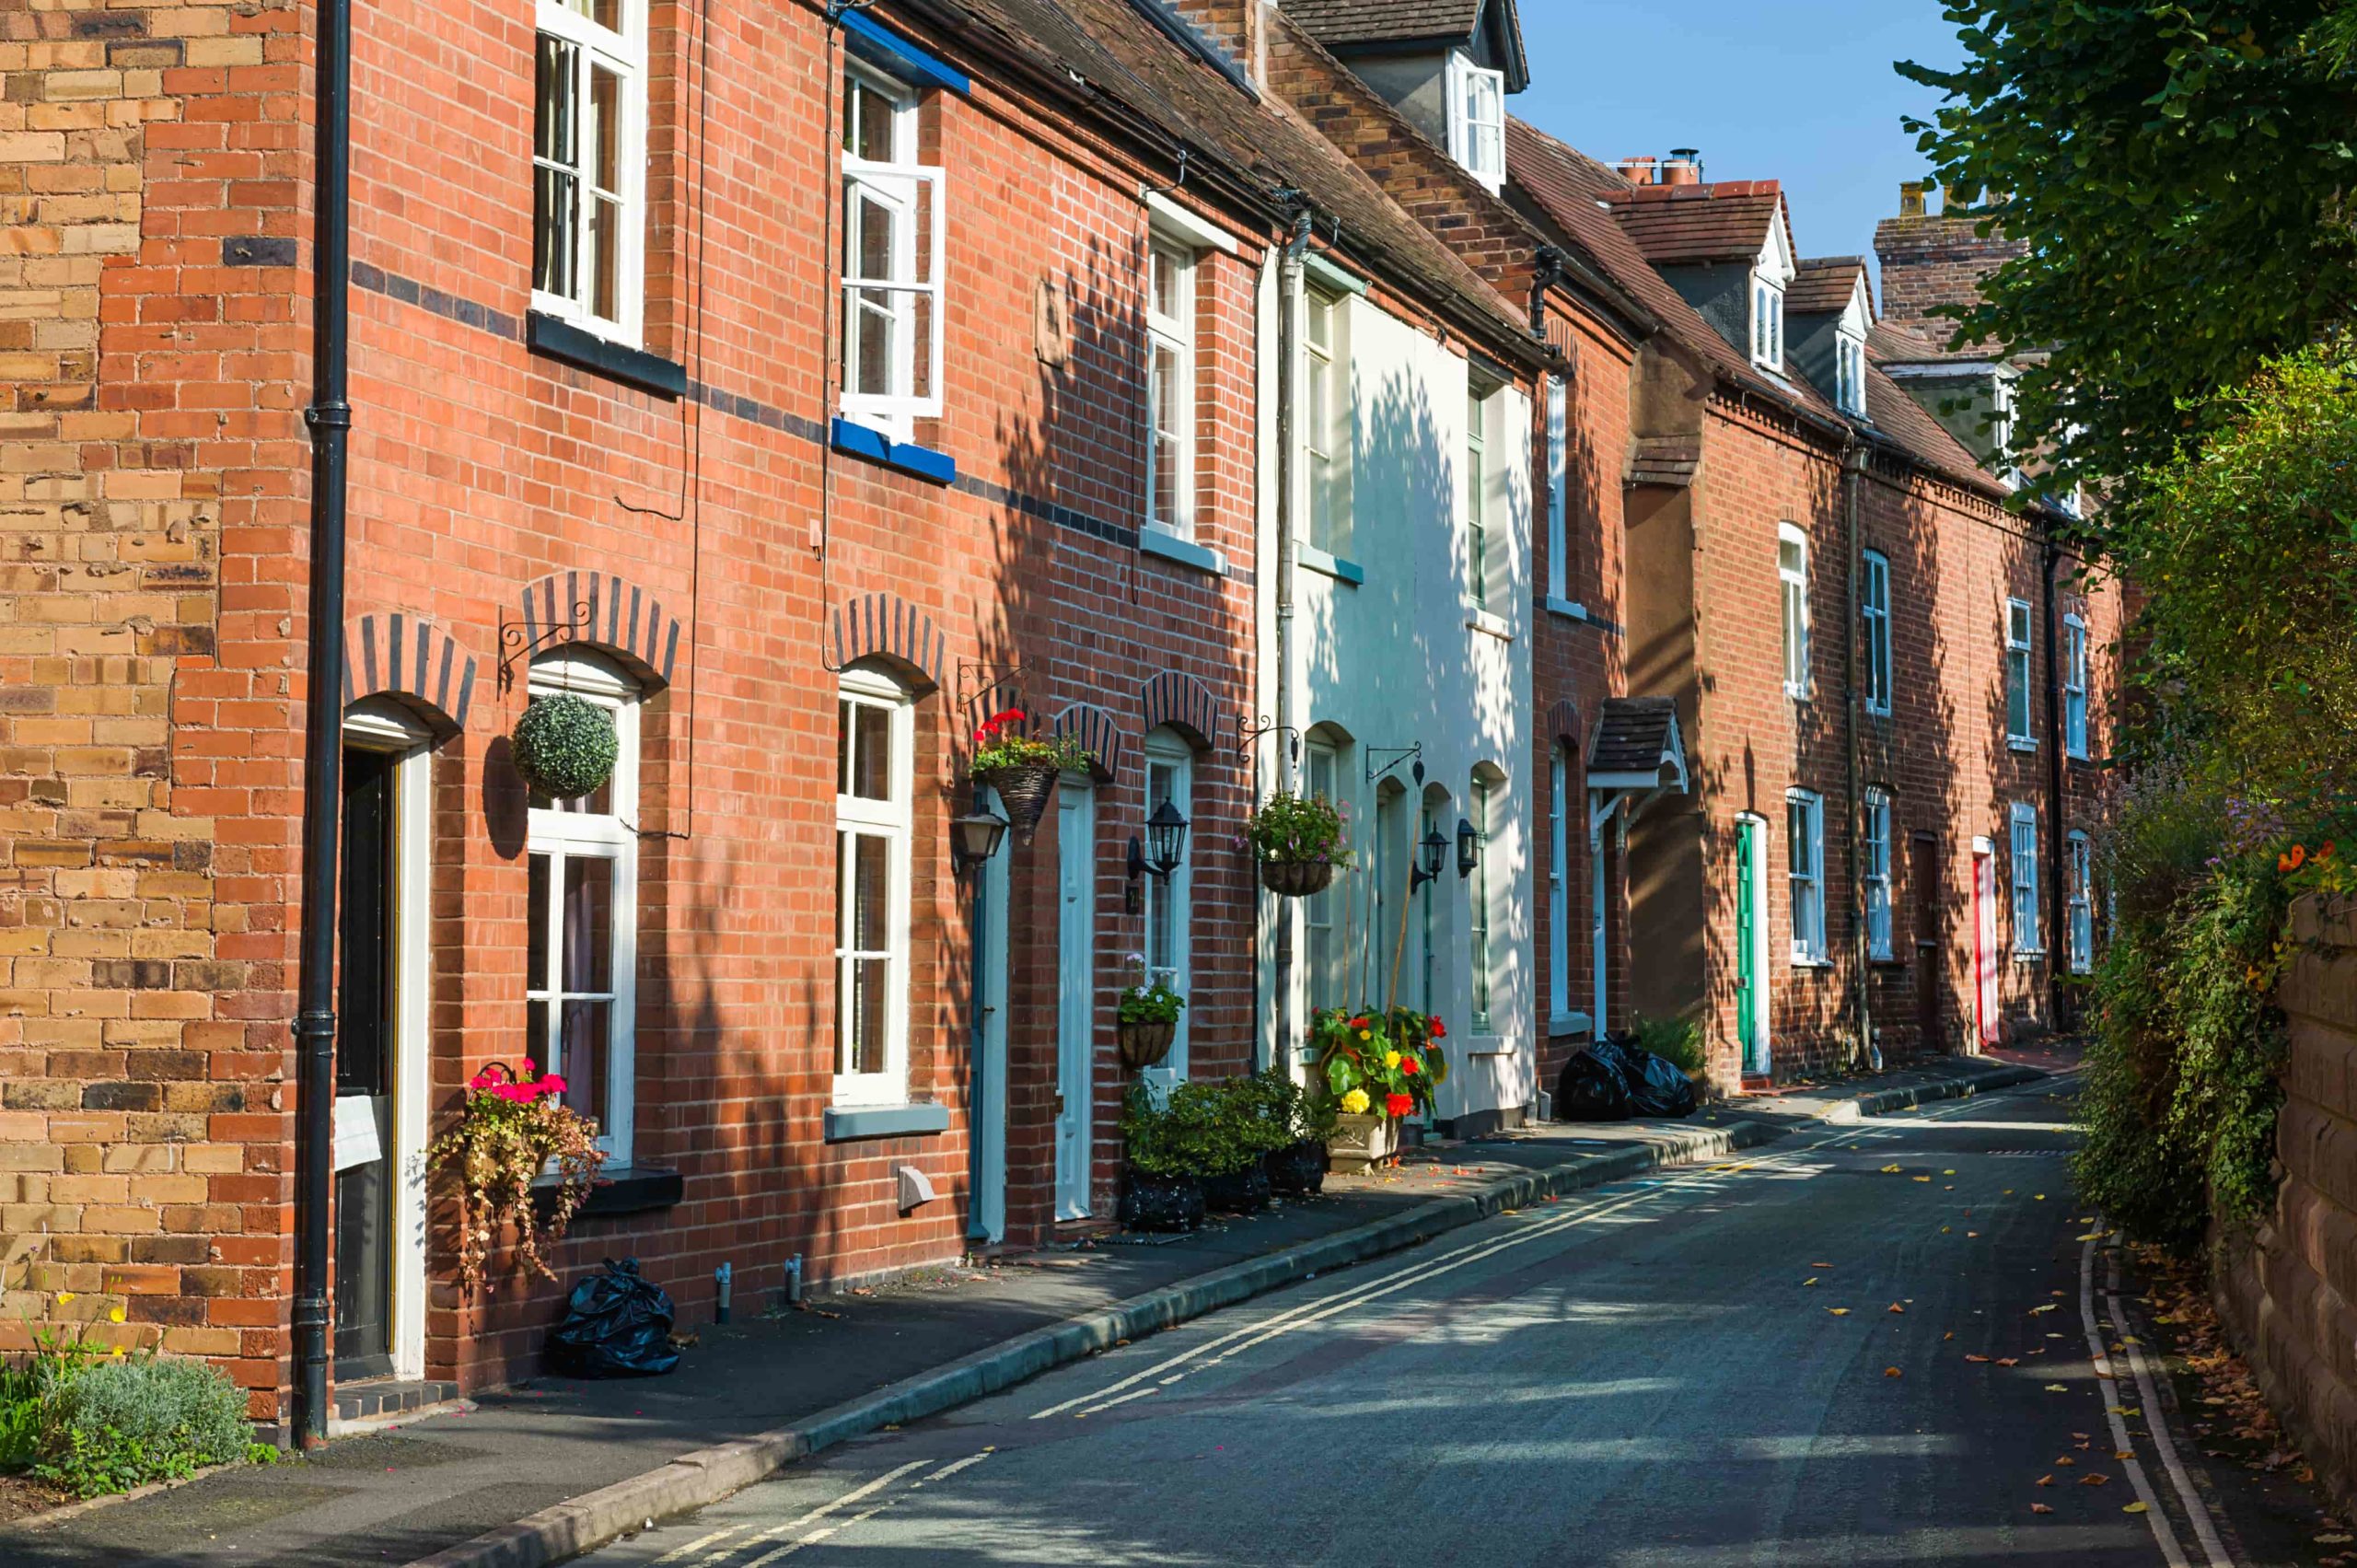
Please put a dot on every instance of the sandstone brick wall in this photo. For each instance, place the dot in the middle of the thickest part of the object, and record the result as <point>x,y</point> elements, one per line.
<point>2290,1291</point>
<point>150,479</point>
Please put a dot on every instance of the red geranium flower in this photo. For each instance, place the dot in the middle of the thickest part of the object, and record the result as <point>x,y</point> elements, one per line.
<point>1399,1105</point>
<point>1359,1022</point>
<point>1408,1066</point>
<point>1438,1030</point>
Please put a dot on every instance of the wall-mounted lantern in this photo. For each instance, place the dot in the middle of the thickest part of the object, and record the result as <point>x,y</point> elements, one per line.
<point>974,840</point>
<point>1160,853</point>
<point>1427,869</point>
<point>1468,848</point>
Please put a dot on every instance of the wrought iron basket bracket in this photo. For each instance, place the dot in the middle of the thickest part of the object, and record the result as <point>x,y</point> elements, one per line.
<point>518,643</point>
<point>983,682</point>
<point>1398,754</point>
<point>1250,731</point>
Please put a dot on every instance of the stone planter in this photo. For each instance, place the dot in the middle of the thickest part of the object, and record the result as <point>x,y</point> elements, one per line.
<point>1160,1202</point>
<point>1361,1143</point>
<point>1143,1045</point>
<point>1297,878</point>
<point>1242,1191</point>
<point>1298,1172</point>
<point>1025,792</point>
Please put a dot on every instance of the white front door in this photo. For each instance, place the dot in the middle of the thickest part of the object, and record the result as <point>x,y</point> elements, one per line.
<point>1076,991</point>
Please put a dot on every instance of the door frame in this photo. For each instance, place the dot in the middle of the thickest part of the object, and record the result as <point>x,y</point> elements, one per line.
<point>1075,986</point>
<point>1751,888</point>
<point>380,724</point>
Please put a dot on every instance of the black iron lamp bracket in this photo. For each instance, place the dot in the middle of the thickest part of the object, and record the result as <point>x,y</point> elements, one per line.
<point>520,644</point>
<point>1250,731</point>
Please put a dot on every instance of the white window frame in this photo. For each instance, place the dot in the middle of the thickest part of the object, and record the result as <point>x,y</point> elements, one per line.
<point>1558,474</point>
<point>1482,802</point>
<point>2021,646</point>
<point>2081,903</point>
<point>565,831</point>
<point>908,188</point>
<point>1849,374</point>
<point>1873,611</point>
<point>1480,404</point>
<point>623,54</point>
<point>1767,322</point>
<point>1165,750</point>
<point>1793,588</point>
<point>1876,871</point>
<point>893,821</point>
<point>1326,441</point>
<point>1805,886</point>
<point>1559,883</point>
<point>2074,686</point>
<point>1477,120</point>
<point>1173,335</point>
<point>2029,937</point>
<point>1323,959</point>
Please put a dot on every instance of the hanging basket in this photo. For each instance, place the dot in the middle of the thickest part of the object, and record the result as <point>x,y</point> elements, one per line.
<point>564,747</point>
<point>1025,792</point>
<point>1143,1045</point>
<point>1297,878</point>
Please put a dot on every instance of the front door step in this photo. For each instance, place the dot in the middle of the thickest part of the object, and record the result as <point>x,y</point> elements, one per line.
<point>389,1396</point>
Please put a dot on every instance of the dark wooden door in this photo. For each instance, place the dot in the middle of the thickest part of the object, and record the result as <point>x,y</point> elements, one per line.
<point>1930,943</point>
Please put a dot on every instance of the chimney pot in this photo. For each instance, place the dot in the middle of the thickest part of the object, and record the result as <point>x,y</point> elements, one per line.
<point>1684,167</point>
<point>1637,170</point>
<point>1911,199</point>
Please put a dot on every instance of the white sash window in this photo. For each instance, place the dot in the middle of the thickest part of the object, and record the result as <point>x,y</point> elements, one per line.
<point>589,164</point>
<point>895,233</point>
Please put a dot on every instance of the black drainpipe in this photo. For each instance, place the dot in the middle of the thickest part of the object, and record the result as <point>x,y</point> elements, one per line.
<point>330,418</point>
<point>2055,840</point>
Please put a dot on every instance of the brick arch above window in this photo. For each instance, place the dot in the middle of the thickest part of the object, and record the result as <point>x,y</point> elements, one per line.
<point>888,626</point>
<point>1177,700</point>
<point>607,612</point>
<point>399,654</point>
<point>1563,725</point>
<point>1098,731</point>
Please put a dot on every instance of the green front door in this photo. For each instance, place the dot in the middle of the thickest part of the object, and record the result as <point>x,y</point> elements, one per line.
<point>1747,945</point>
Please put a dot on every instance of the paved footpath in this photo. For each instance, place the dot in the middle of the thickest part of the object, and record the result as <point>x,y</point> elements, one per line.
<point>531,1475</point>
<point>1888,1342</point>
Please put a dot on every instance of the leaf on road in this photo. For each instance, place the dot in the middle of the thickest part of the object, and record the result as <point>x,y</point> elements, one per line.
<point>1970,1234</point>
<point>2064,1459</point>
<point>2040,1508</point>
<point>1923,1179</point>
<point>1821,1265</point>
<point>1892,1372</point>
<point>2123,1454</point>
<point>1810,1281</point>
<point>1949,1335</point>
<point>2080,1435</point>
<point>1894,1307</point>
<point>2009,1361</point>
<point>2036,1310</point>
<point>2125,1410</point>
<point>2133,1508</point>
<point>2058,1389</point>
<point>1838,1311</point>
<point>1948,1173</point>
<point>2043,1481</point>
<point>1890,1170</point>
<point>2094,1477</point>
<point>2042,1198</point>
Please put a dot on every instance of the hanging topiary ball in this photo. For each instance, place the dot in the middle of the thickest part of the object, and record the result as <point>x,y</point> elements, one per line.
<point>564,747</point>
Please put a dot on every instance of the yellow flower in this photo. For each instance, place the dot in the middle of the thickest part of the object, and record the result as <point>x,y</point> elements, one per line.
<point>1391,1059</point>
<point>114,1315</point>
<point>1367,1034</point>
<point>64,1296</point>
<point>1356,1102</point>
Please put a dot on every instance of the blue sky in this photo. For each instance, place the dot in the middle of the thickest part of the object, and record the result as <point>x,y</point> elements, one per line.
<point>1797,90</point>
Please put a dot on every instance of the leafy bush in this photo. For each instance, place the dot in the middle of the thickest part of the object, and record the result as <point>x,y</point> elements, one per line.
<point>1215,1128</point>
<point>2180,1095</point>
<point>1678,1042</point>
<point>20,1419</point>
<point>123,1424</point>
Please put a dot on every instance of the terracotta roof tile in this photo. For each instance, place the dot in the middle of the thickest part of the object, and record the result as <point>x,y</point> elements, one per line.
<point>1822,286</point>
<point>1372,21</point>
<point>1723,222</point>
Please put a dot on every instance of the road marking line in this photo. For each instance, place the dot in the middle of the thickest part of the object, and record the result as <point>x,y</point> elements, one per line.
<point>2205,1528</point>
<point>821,1512</point>
<point>2163,1535</point>
<point>693,1547</point>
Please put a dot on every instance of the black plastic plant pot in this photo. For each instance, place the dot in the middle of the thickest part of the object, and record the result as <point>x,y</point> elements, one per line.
<point>1242,1191</point>
<point>1160,1202</point>
<point>1297,878</point>
<point>1025,792</point>
<point>1298,1172</point>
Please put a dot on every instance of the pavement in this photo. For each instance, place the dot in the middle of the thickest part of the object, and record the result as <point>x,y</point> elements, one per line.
<point>535,1473</point>
<point>1894,1341</point>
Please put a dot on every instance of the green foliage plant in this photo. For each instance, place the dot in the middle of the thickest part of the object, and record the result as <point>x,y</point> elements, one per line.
<point>1149,1002</point>
<point>1676,1040</point>
<point>2178,178</point>
<point>1380,1064</point>
<point>999,742</point>
<point>564,746</point>
<point>123,1424</point>
<point>1289,827</point>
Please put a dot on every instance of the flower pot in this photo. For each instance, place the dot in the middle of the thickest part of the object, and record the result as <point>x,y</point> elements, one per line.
<point>1160,1202</point>
<point>1361,1143</point>
<point>1142,1045</point>
<point>1242,1191</point>
<point>1025,792</point>
<point>1297,878</point>
<point>1296,1172</point>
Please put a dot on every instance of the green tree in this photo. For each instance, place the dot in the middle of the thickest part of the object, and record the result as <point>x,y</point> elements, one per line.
<point>2180,173</point>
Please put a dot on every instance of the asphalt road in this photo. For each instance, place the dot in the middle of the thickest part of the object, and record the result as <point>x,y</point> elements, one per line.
<point>1862,1345</point>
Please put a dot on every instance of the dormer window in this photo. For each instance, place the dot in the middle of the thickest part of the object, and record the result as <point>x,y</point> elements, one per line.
<point>1477,120</point>
<point>1849,375</point>
<point>1767,324</point>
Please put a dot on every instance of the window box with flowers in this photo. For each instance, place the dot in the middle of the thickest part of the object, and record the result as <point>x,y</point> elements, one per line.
<point>1377,1070</point>
<point>1021,767</point>
<point>510,1129</point>
<point>1298,841</point>
<point>1149,1018</point>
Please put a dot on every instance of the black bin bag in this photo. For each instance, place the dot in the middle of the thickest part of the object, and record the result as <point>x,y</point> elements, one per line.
<point>1660,1087</point>
<point>1594,1086</point>
<point>616,1324</point>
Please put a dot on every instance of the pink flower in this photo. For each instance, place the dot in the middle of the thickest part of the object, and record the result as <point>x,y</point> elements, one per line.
<point>551,1085</point>
<point>520,1094</point>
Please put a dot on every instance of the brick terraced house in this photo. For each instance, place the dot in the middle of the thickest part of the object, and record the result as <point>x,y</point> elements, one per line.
<point>804,386</point>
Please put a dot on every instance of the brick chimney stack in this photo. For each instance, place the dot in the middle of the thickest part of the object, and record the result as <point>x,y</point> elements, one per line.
<point>1935,258</point>
<point>1235,26</point>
